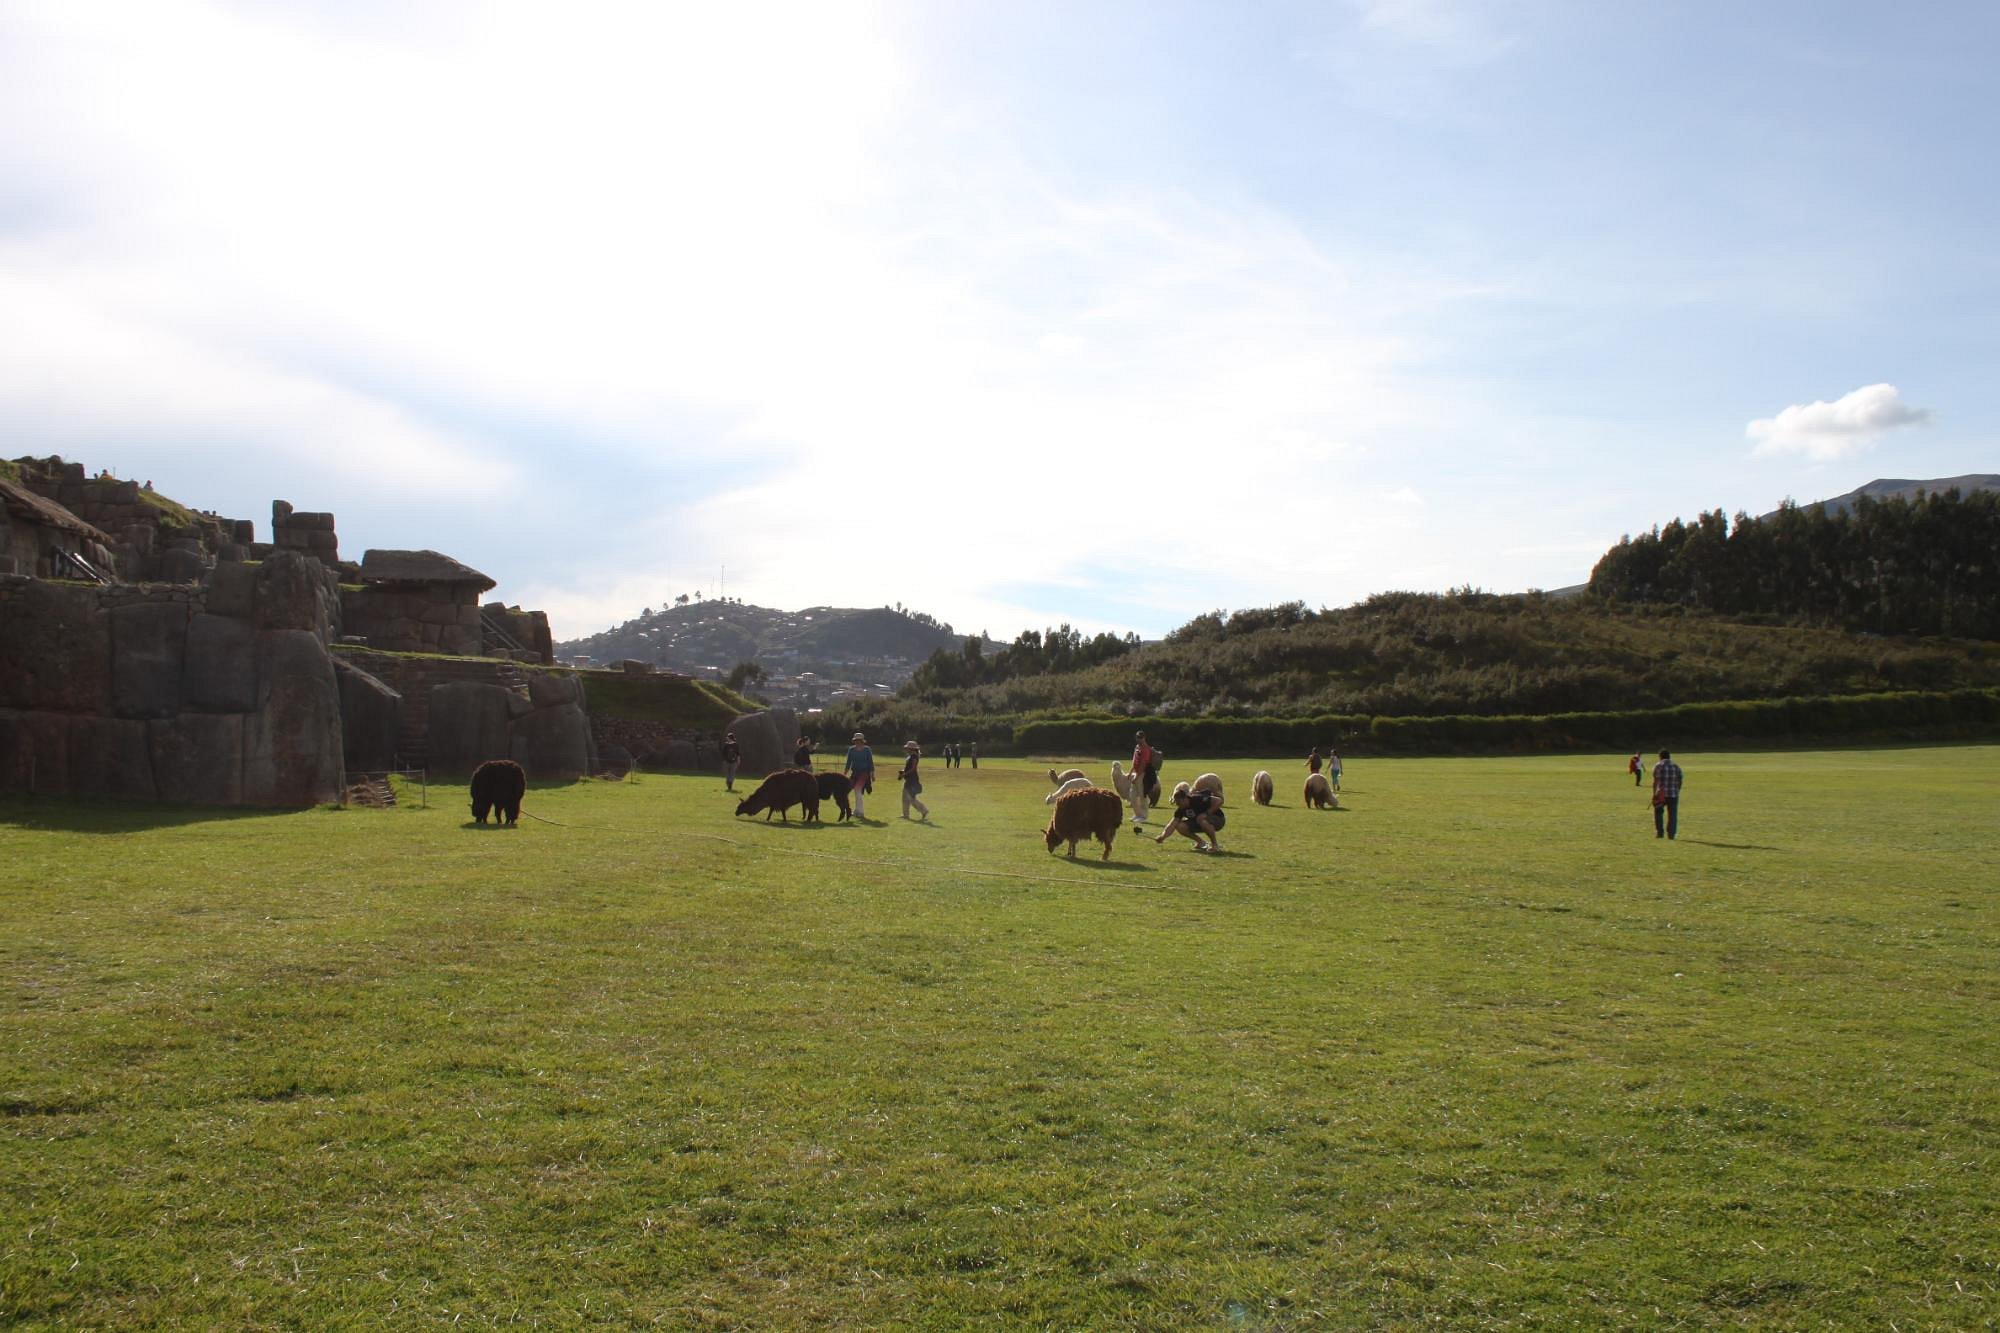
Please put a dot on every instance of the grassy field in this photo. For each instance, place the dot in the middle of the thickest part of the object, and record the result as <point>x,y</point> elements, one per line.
<point>1476,1051</point>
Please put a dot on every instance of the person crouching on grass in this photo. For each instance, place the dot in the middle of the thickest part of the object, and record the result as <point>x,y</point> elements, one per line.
<point>911,786</point>
<point>1195,813</point>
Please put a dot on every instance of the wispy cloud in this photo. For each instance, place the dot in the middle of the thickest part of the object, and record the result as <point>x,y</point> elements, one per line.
<point>1825,432</point>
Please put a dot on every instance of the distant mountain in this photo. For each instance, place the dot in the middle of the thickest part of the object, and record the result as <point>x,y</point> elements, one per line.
<point>870,647</point>
<point>1885,488</point>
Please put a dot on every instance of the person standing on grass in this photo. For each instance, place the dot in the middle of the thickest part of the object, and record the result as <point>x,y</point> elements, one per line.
<point>802,754</point>
<point>1333,768</point>
<point>975,754</point>
<point>1636,769</point>
<point>1666,796</point>
<point>860,770</point>
<point>912,788</point>
<point>1313,760</point>
<point>732,754</point>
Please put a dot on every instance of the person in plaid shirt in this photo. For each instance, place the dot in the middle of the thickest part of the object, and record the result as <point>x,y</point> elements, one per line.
<point>1666,796</point>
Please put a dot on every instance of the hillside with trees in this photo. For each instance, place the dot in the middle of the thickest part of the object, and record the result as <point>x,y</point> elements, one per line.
<point>1413,654</point>
<point>1928,565</point>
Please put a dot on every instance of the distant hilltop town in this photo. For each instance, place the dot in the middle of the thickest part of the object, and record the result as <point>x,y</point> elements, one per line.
<point>806,659</point>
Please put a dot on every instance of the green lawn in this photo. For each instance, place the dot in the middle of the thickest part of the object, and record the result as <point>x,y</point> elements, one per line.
<point>1476,1051</point>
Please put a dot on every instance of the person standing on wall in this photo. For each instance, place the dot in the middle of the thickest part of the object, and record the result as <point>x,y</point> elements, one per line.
<point>912,788</point>
<point>1666,796</point>
<point>732,754</point>
<point>860,770</point>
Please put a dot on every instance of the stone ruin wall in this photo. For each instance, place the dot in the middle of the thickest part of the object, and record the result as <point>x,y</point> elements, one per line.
<point>307,533</point>
<point>222,694</point>
<point>415,617</point>
<point>530,629</point>
<point>146,548</point>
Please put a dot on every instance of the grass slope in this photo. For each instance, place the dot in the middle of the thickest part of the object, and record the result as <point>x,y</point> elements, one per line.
<point>1477,1050</point>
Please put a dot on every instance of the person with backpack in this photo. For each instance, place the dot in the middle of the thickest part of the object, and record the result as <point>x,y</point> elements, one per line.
<point>732,754</point>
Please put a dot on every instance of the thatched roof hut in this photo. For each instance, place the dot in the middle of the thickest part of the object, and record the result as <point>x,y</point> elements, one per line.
<point>24,506</point>
<point>418,567</point>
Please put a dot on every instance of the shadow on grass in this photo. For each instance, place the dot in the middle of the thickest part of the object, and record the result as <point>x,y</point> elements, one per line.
<point>1094,863</point>
<point>1733,846</point>
<point>86,816</point>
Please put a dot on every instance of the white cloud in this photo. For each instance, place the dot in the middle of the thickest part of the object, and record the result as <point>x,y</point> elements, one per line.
<point>1827,432</point>
<point>507,259</point>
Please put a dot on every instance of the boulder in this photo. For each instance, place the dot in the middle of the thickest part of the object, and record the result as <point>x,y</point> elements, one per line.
<point>468,724</point>
<point>221,666</point>
<point>111,756</point>
<point>198,758</point>
<point>615,759</point>
<point>676,754</point>
<point>291,744</point>
<point>551,689</point>
<point>180,565</point>
<point>763,750</point>
<point>371,719</point>
<point>55,649</point>
<point>148,649</point>
<point>553,743</point>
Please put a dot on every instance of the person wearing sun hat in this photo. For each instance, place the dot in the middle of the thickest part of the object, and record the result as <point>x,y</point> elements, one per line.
<point>860,769</point>
<point>911,786</point>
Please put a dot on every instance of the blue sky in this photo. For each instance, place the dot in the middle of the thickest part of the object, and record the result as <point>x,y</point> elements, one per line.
<point>1108,313</point>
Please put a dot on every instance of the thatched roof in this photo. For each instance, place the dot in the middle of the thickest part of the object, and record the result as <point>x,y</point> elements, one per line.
<point>25,504</point>
<point>418,567</point>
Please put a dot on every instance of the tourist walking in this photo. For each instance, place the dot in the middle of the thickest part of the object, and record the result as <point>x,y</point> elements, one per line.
<point>1333,768</point>
<point>860,770</point>
<point>732,754</point>
<point>1666,796</point>
<point>1313,760</point>
<point>912,787</point>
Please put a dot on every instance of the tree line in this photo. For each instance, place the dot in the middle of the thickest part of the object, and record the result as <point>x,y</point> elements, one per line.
<point>1928,566</point>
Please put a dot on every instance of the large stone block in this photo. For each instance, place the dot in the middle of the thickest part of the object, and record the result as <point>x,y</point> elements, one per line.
<point>763,751</point>
<point>290,593</point>
<point>552,743</point>
<point>198,758</point>
<point>34,753</point>
<point>291,744</point>
<point>232,591</point>
<point>148,649</point>
<point>110,756</point>
<point>550,690</point>
<point>221,672</point>
<point>468,725</point>
<point>181,566</point>
<point>55,650</point>
<point>371,718</point>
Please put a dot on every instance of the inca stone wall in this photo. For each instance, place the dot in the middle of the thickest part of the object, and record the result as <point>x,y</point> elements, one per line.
<point>220,694</point>
<point>308,534</point>
<point>415,617</point>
